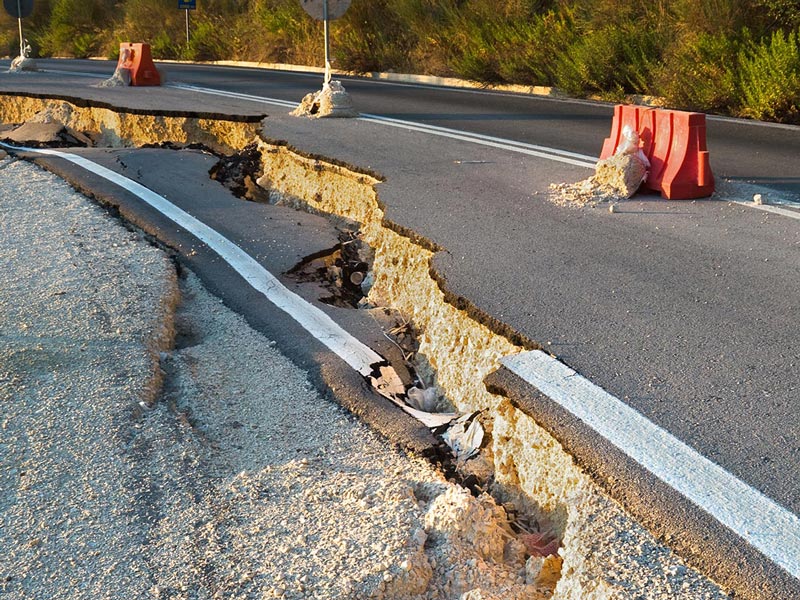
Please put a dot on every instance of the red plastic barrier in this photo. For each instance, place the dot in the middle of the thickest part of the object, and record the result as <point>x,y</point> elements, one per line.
<point>675,143</point>
<point>640,120</point>
<point>137,60</point>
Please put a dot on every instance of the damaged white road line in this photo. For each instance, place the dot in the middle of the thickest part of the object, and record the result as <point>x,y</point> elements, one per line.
<point>773,530</point>
<point>356,354</point>
<point>359,356</point>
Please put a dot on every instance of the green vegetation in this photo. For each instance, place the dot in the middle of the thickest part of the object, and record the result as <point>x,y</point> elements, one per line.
<point>738,57</point>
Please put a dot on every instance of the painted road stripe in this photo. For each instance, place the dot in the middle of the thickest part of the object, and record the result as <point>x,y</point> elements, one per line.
<point>771,208</point>
<point>359,356</point>
<point>747,512</point>
<point>564,156</point>
<point>771,529</point>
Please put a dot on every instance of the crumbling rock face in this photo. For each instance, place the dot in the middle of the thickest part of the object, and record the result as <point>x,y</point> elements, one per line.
<point>116,129</point>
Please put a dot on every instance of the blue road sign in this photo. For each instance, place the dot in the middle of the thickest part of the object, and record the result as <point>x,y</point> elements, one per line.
<point>187,4</point>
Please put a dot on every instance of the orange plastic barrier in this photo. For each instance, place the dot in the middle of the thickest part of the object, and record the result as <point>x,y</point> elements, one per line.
<point>136,59</point>
<point>675,143</point>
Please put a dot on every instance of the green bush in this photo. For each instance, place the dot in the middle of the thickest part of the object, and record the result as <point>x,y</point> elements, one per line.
<point>372,37</point>
<point>162,46</point>
<point>612,61</point>
<point>530,47</point>
<point>770,78</point>
<point>208,40</point>
<point>285,33</point>
<point>76,28</point>
<point>155,22</point>
<point>699,73</point>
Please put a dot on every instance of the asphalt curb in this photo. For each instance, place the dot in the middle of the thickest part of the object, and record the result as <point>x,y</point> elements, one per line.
<point>708,545</point>
<point>325,369</point>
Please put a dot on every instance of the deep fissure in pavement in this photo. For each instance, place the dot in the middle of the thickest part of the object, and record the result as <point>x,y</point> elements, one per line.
<point>521,464</point>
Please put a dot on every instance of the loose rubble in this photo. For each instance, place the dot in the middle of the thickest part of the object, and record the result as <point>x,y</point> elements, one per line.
<point>616,178</point>
<point>331,101</point>
<point>23,62</point>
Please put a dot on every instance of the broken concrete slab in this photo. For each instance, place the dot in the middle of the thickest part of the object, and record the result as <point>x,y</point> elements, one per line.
<point>51,134</point>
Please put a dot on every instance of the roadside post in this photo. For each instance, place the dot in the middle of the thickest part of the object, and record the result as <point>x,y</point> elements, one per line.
<point>187,5</point>
<point>333,100</point>
<point>326,11</point>
<point>19,9</point>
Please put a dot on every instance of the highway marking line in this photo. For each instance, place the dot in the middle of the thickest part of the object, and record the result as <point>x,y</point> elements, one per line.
<point>356,354</point>
<point>770,528</point>
<point>771,208</point>
<point>563,156</point>
<point>572,158</point>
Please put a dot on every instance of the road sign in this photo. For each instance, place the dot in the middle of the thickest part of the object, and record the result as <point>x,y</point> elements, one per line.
<point>187,4</point>
<point>336,8</point>
<point>18,8</point>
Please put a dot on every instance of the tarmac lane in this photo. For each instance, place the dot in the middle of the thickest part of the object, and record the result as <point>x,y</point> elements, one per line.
<point>681,310</point>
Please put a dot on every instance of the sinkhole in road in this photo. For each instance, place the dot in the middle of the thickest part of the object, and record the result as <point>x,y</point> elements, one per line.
<point>602,554</point>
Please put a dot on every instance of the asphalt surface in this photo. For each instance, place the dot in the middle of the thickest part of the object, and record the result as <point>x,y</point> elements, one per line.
<point>744,151</point>
<point>182,178</point>
<point>685,310</point>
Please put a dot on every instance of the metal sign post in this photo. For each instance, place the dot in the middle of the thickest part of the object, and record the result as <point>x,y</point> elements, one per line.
<point>187,5</point>
<point>326,21</point>
<point>326,11</point>
<point>19,9</point>
<point>19,21</point>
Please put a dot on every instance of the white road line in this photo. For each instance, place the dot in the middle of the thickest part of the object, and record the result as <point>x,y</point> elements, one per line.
<point>777,210</point>
<point>771,529</point>
<point>768,527</point>
<point>235,95</point>
<point>580,160</point>
<point>564,156</point>
<point>359,356</point>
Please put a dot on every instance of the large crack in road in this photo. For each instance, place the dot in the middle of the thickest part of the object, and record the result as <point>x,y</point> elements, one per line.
<point>469,548</point>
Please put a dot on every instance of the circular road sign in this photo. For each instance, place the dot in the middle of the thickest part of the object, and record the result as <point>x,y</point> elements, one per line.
<point>18,8</point>
<point>336,8</point>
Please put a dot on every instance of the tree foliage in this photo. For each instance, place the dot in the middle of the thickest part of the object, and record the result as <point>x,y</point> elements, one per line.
<point>731,56</point>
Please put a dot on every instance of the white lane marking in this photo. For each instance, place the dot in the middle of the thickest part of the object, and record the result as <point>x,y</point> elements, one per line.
<point>359,356</point>
<point>777,210</point>
<point>771,529</point>
<point>76,73</point>
<point>564,156</point>
<point>480,136</point>
<point>235,95</point>
<point>503,144</point>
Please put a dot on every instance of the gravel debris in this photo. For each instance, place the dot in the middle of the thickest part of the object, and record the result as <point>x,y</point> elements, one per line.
<point>616,178</point>
<point>331,101</point>
<point>161,451</point>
